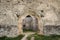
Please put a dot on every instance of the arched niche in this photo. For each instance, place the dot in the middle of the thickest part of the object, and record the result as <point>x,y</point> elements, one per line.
<point>32,14</point>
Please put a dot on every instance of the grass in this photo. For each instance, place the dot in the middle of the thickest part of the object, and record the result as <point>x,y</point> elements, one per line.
<point>28,30</point>
<point>10,38</point>
<point>42,37</point>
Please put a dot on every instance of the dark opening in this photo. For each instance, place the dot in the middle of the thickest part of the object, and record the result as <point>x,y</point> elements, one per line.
<point>23,25</point>
<point>28,16</point>
<point>42,11</point>
<point>17,15</point>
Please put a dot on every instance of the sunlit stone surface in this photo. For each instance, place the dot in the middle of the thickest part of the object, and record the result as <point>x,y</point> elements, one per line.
<point>13,11</point>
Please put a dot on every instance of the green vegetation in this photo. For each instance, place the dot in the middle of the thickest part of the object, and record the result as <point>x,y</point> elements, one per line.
<point>9,38</point>
<point>28,30</point>
<point>42,37</point>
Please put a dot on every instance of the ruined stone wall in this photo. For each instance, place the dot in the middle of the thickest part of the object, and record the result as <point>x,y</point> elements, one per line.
<point>9,30</point>
<point>10,10</point>
<point>52,29</point>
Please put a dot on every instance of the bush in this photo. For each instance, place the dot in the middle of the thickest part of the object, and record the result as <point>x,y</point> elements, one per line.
<point>10,38</point>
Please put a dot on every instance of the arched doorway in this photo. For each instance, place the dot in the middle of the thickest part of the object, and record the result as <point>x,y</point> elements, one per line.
<point>30,24</point>
<point>33,15</point>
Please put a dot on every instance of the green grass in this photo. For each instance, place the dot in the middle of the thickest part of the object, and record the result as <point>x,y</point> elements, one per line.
<point>10,38</point>
<point>42,37</point>
<point>28,30</point>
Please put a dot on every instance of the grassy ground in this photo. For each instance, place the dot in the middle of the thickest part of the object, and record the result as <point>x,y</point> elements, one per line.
<point>42,37</point>
<point>9,38</point>
<point>28,30</point>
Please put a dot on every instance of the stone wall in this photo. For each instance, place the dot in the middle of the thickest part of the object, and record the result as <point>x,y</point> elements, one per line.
<point>9,31</point>
<point>10,10</point>
<point>52,29</point>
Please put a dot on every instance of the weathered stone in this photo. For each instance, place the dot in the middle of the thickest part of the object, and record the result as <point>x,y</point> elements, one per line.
<point>52,29</point>
<point>12,12</point>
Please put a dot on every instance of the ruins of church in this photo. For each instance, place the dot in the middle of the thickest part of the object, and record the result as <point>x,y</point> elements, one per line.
<point>41,16</point>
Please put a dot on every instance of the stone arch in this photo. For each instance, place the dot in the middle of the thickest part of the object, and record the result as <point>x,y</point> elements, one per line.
<point>32,14</point>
